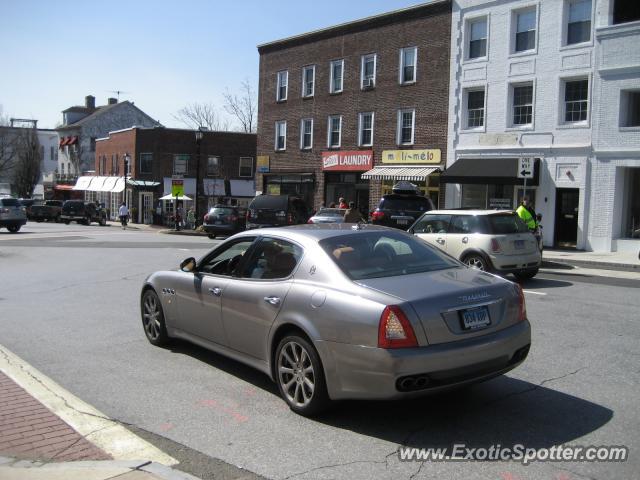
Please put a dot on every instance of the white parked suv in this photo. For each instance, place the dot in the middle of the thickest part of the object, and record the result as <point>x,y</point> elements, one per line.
<point>492,240</point>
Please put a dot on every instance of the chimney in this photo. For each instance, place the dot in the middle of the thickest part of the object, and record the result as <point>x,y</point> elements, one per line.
<point>112,101</point>
<point>90,101</point>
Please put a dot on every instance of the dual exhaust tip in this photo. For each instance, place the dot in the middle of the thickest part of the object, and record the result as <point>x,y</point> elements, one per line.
<point>412,383</point>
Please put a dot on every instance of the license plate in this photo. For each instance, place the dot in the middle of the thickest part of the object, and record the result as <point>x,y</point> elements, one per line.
<point>403,222</point>
<point>518,244</point>
<point>218,222</point>
<point>475,318</point>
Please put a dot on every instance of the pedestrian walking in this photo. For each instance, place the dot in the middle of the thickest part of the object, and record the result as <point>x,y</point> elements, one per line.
<point>123,213</point>
<point>191,219</point>
<point>527,214</point>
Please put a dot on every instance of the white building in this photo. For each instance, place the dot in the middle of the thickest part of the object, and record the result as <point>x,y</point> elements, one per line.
<point>48,140</point>
<point>522,85</point>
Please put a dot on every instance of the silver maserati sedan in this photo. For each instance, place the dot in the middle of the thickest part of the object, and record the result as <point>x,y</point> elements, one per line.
<point>342,311</point>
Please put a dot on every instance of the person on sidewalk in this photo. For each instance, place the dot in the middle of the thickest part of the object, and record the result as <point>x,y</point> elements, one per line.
<point>123,213</point>
<point>342,203</point>
<point>352,215</point>
<point>527,214</point>
<point>191,219</point>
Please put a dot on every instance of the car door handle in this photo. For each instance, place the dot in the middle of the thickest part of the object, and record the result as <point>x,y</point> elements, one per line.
<point>275,301</point>
<point>440,241</point>
<point>215,291</point>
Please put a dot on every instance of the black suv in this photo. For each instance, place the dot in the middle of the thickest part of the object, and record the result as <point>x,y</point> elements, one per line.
<point>276,211</point>
<point>83,212</point>
<point>402,207</point>
<point>223,219</point>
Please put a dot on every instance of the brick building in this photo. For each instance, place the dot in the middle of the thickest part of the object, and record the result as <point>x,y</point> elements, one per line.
<point>157,155</point>
<point>349,110</point>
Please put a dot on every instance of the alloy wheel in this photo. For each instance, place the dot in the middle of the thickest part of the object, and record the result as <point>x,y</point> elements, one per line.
<point>296,375</point>
<point>476,262</point>
<point>151,317</point>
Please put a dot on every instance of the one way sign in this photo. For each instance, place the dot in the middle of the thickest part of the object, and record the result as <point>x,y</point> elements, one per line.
<point>525,167</point>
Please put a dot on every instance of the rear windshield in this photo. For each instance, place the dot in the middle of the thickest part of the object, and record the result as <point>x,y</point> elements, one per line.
<point>509,223</point>
<point>221,211</point>
<point>384,254</point>
<point>417,204</point>
<point>10,202</point>
<point>74,203</point>
<point>269,202</point>
<point>331,212</point>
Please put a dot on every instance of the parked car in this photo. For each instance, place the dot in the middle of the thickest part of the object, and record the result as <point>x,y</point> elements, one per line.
<point>12,214</point>
<point>83,212</point>
<point>492,240</point>
<point>340,311</point>
<point>27,203</point>
<point>402,207</point>
<point>328,215</point>
<point>223,219</point>
<point>276,211</point>
<point>50,210</point>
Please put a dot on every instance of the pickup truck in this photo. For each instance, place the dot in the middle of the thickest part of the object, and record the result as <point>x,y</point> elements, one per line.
<point>50,210</point>
<point>83,212</point>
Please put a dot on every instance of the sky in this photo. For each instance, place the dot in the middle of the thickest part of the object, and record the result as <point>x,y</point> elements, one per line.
<point>164,55</point>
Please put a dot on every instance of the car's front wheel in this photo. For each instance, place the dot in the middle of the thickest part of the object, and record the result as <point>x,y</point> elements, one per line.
<point>476,261</point>
<point>300,376</point>
<point>153,319</point>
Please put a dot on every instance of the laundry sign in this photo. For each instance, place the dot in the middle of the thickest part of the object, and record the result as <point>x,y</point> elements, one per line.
<point>354,160</point>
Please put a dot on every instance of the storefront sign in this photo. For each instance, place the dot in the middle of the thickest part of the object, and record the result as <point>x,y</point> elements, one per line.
<point>177,188</point>
<point>411,156</point>
<point>262,163</point>
<point>501,203</point>
<point>358,160</point>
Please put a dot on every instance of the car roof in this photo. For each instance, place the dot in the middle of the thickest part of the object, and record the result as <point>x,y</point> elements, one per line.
<point>468,212</point>
<point>317,232</point>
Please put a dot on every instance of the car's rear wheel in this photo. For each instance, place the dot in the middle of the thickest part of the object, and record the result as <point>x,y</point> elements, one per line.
<point>300,376</point>
<point>103,221</point>
<point>476,261</point>
<point>67,222</point>
<point>527,275</point>
<point>153,319</point>
<point>14,228</point>
<point>212,236</point>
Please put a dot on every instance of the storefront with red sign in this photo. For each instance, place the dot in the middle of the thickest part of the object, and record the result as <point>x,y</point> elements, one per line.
<point>343,177</point>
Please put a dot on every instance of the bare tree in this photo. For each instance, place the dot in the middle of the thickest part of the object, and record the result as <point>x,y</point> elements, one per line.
<point>198,115</point>
<point>27,169</point>
<point>7,146</point>
<point>244,107</point>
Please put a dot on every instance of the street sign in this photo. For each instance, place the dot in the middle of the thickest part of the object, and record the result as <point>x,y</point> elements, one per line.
<point>525,167</point>
<point>177,188</point>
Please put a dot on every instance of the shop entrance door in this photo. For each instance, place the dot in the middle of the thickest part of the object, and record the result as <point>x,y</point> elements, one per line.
<point>566,228</point>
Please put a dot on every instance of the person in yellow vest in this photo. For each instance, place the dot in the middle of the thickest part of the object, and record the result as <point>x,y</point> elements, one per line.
<point>527,214</point>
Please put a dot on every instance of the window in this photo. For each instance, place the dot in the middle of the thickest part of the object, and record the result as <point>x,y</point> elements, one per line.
<point>432,224</point>
<point>365,129</point>
<point>113,165</point>
<point>213,165</point>
<point>104,165</point>
<point>406,120</point>
<point>272,259</point>
<point>146,162</point>
<point>246,167</point>
<point>408,57</point>
<point>477,38</point>
<point>117,164</point>
<point>626,11</point>
<point>579,22</point>
<point>522,105</point>
<point>630,108</point>
<point>525,30</point>
<point>62,168</point>
<point>466,224</point>
<point>337,69</point>
<point>306,133</point>
<point>368,71</point>
<point>281,135</point>
<point>308,80</point>
<point>226,261</point>
<point>92,144</point>
<point>334,130</point>
<point>475,108</point>
<point>180,164</point>
<point>283,84</point>
<point>576,100</point>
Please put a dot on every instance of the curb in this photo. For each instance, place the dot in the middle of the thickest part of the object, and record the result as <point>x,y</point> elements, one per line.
<point>187,233</point>
<point>563,262</point>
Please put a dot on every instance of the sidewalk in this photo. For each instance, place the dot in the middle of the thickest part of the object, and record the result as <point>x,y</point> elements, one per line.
<point>48,433</point>
<point>611,261</point>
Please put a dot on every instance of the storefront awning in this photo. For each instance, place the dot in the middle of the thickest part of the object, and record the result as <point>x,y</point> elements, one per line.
<point>119,186</point>
<point>488,171</point>
<point>96,184</point>
<point>72,140</point>
<point>142,183</point>
<point>415,174</point>
<point>82,183</point>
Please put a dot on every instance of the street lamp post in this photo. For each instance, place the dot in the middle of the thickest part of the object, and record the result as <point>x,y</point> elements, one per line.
<point>127,159</point>
<point>199,135</point>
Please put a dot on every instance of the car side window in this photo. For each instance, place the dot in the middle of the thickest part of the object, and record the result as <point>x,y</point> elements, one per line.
<point>465,224</point>
<point>272,259</point>
<point>226,261</point>
<point>432,224</point>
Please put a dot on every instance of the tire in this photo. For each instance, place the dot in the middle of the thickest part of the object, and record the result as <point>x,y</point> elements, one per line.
<point>475,260</point>
<point>14,228</point>
<point>87,220</point>
<point>67,222</point>
<point>302,385</point>
<point>212,236</point>
<point>38,220</point>
<point>103,221</point>
<point>152,317</point>
<point>57,219</point>
<point>529,274</point>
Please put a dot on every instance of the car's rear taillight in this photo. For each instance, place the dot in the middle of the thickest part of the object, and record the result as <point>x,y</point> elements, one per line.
<point>232,218</point>
<point>394,330</point>
<point>376,215</point>
<point>310,220</point>
<point>495,245</point>
<point>522,312</point>
<point>4,210</point>
<point>251,214</point>
<point>290,219</point>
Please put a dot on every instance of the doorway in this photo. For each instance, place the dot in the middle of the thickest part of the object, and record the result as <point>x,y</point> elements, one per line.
<point>146,208</point>
<point>566,225</point>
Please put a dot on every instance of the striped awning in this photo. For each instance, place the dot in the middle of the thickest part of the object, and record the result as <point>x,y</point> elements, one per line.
<point>82,183</point>
<point>399,173</point>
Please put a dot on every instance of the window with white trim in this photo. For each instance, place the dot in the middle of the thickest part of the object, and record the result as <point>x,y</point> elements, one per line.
<point>146,162</point>
<point>334,131</point>
<point>576,100</point>
<point>408,61</point>
<point>337,74</point>
<point>181,164</point>
<point>306,133</point>
<point>477,38</point>
<point>525,30</point>
<point>406,123</point>
<point>368,71</point>
<point>578,21</point>
<point>522,105</point>
<point>281,135</point>
<point>475,108</point>
<point>308,80</point>
<point>246,167</point>
<point>282,85</point>
<point>213,165</point>
<point>365,129</point>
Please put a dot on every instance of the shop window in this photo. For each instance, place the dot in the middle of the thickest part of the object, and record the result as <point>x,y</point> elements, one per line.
<point>626,11</point>
<point>474,196</point>
<point>146,163</point>
<point>477,33</point>
<point>246,167</point>
<point>406,122</point>
<point>365,130</point>
<point>308,80</point>
<point>524,36</point>
<point>334,131</point>
<point>335,82</point>
<point>368,71</point>
<point>281,136</point>
<point>213,165</point>
<point>630,108</point>
<point>578,21</point>
<point>576,100</point>
<point>282,85</point>
<point>180,164</point>
<point>522,105</point>
<point>408,60</point>
<point>306,133</point>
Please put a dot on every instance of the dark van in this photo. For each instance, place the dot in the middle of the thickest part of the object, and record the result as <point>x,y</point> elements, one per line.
<point>276,211</point>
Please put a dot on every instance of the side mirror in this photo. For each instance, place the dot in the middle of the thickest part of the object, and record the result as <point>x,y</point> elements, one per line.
<point>188,265</point>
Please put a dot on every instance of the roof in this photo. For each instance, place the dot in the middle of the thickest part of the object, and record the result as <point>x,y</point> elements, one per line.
<point>468,212</point>
<point>319,231</point>
<point>101,110</point>
<point>405,14</point>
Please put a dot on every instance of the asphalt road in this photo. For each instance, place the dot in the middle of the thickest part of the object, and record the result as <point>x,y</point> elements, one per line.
<point>69,306</point>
